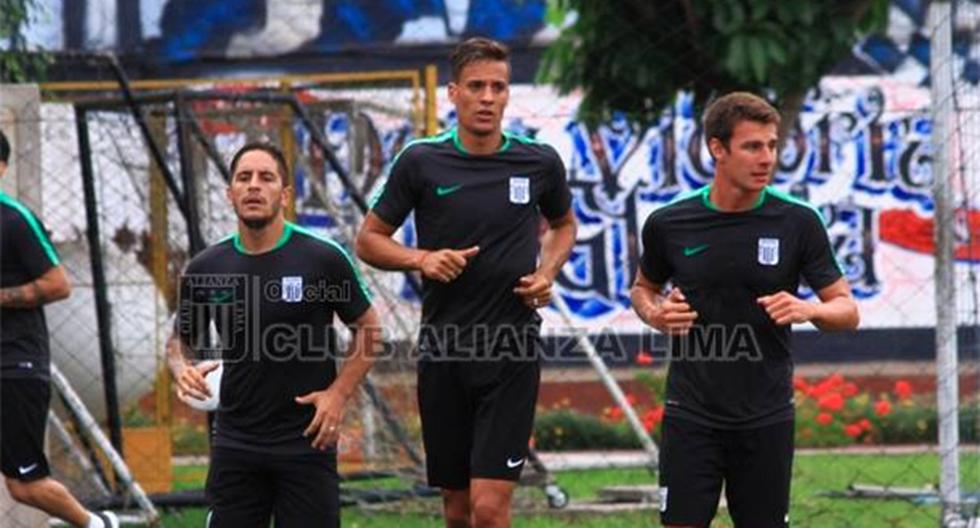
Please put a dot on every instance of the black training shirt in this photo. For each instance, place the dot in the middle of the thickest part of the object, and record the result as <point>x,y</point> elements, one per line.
<point>269,318</point>
<point>734,369</point>
<point>492,201</point>
<point>26,253</point>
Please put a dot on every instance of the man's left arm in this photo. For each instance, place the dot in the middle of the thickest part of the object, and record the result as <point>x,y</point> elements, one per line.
<point>29,243</point>
<point>360,317</point>
<point>837,309</point>
<point>331,402</point>
<point>51,286</point>
<point>556,245</point>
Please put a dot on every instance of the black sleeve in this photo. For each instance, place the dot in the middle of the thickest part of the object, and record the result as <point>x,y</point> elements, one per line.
<point>653,260</point>
<point>400,193</point>
<point>819,265</point>
<point>31,245</point>
<point>556,200</point>
<point>344,273</point>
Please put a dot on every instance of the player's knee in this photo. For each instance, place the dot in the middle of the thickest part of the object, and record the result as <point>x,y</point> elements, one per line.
<point>490,513</point>
<point>456,508</point>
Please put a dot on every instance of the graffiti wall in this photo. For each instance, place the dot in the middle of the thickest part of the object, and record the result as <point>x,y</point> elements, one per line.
<point>181,31</point>
<point>860,152</point>
<point>185,30</point>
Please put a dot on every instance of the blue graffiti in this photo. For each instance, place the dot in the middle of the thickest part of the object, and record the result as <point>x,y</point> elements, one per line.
<point>191,30</point>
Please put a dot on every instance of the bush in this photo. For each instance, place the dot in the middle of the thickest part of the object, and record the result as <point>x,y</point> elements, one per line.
<point>835,412</point>
<point>567,430</point>
<point>830,412</point>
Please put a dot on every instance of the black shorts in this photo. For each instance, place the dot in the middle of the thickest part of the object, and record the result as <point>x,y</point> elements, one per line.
<point>476,419</point>
<point>247,488</point>
<point>755,465</point>
<point>24,416</point>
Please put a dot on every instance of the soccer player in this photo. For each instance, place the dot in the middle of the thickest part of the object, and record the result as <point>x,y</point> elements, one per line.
<point>263,300</point>
<point>478,194</point>
<point>31,275</point>
<point>734,252</point>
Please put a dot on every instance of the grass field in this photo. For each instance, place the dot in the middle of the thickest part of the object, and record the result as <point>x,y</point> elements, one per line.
<point>813,475</point>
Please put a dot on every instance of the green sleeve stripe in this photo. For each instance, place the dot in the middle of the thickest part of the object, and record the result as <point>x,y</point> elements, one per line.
<point>29,217</point>
<point>796,201</point>
<point>684,196</point>
<point>376,197</point>
<point>438,138</point>
<point>350,261</point>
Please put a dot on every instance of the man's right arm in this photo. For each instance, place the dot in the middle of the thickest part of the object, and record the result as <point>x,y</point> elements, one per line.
<point>668,313</point>
<point>375,246</point>
<point>189,378</point>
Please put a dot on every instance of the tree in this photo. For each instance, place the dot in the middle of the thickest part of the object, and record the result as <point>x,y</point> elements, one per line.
<point>634,56</point>
<point>17,62</point>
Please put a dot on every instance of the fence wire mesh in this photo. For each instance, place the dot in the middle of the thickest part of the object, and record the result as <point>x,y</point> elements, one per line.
<point>861,151</point>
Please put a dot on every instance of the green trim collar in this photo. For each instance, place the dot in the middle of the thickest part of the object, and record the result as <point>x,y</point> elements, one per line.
<point>706,200</point>
<point>287,233</point>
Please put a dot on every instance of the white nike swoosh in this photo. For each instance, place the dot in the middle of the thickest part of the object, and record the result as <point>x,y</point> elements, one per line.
<point>27,469</point>
<point>514,463</point>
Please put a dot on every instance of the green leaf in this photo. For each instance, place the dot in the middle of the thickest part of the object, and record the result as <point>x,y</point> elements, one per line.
<point>776,51</point>
<point>807,12</point>
<point>736,60</point>
<point>728,17</point>
<point>760,10</point>
<point>554,13</point>
<point>757,59</point>
<point>785,12</point>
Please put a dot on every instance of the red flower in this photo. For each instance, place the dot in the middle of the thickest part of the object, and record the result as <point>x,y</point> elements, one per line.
<point>631,399</point>
<point>835,380</point>
<point>883,407</point>
<point>903,389</point>
<point>849,390</point>
<point>644,358</point>
<point>653,417</point>
<point>800,384</point>
<point>864,424</point>
<point>853,430</point>
<point>821,389</point>
<point>614,413</point>
<point>825,418</point>
<point>832,402</point>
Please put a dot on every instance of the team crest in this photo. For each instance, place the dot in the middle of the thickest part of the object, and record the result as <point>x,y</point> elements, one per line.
<point>292,289</point>
<point>520,190</point>
<point>768,251</point>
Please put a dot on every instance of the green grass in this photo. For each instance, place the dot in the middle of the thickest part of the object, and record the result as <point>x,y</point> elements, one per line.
<point>812,475</point>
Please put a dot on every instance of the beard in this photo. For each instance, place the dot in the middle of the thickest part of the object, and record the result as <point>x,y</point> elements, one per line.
<point>257,223</point>
<point>261,222</point>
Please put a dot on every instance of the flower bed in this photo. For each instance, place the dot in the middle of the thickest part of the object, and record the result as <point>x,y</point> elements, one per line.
<point>830,412</point>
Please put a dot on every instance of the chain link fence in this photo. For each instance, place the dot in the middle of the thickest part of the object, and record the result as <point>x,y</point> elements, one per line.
<point>867,419</point>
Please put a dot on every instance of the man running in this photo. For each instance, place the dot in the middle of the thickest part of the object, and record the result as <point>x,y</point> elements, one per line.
<point>263,302</point>
<point>31,275</point>
<point>478,195</point>
<point>734,252</point>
